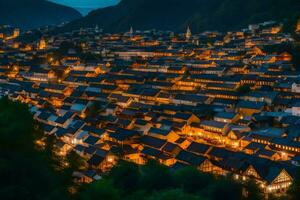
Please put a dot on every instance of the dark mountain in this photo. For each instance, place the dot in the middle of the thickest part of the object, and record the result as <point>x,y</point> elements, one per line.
<point>201,15</point>
<point>34,13</point>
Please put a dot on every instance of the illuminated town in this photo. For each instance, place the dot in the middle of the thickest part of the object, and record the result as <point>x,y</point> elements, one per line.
<point>217,101</point>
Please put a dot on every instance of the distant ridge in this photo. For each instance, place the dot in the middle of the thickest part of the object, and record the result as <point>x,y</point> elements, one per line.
<point>29,14</point>
<point>84,11</point>
<point>200,15</point>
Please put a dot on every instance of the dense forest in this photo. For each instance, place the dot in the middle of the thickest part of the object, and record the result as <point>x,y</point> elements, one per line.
<point>200,15</point>
<point>27,14</point>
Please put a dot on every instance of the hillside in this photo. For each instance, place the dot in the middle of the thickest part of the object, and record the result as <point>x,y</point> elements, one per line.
<point>201,15</point>
<point>34,13</point>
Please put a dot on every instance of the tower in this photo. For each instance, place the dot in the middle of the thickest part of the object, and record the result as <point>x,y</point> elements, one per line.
<point>131,31</point>
<point>42,44</point>
<point>16,33</point>
<point>188,33</point>
<point>298,26</point>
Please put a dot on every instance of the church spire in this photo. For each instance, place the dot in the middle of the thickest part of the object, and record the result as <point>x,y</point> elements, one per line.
<point>188,33</point>
<point>131,31</point>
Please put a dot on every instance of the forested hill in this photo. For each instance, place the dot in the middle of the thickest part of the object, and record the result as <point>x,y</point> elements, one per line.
<point>28,14</point>
<point>201,15</point>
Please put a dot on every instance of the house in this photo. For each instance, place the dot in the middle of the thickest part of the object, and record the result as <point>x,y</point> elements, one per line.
<point>171,149</point>
<point>87,176</point>
<point>248,108</point>
<point>296,86</point>
<point>235,138</point>
<point>214,127</point>
<point>296,109</point>
<point>254,147</point>
<point>190,158</point>
<point>226,117</point>
<point>198,148</point>
<point>121,100</point>
<point>152,153</point>
<point>189,99</point>
<point>80,107</point>
<point>268,154</point>
<point>152,142</point>
<point>98,162</point>
<point>124,136</point>
<point>259,96</point>
<point>273,178</point>
<point>168,135</point>
<point>187,118</point>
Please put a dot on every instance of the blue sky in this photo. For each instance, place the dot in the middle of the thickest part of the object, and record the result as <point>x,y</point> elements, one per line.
<point>87,3</point>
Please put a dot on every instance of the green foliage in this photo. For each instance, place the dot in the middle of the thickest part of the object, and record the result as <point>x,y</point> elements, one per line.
<point>294,190</point>
<point>125,176</point>
<point>102,189</point>
<point>26,173</point>
<point>253,191</point>
<point>154,181</point>
<point>175,194</point>
<point>15,124</point>
<point>225,189</point>
<point>155,177</point>
<point>191,180</point>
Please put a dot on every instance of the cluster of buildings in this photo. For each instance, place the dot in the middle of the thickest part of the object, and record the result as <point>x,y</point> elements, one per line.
<point>216,101</point>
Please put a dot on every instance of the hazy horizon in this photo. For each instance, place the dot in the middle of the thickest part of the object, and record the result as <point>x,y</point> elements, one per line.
<point>85,6</point>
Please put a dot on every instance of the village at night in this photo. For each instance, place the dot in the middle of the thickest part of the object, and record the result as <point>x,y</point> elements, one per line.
<point>90,110</point>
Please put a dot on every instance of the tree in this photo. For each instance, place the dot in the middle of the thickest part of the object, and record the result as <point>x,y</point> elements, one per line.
<point>155,177</point>
<point>191,180</point>
<point>253,191</point>
<point>26,172</point>
<point>125,176</point>
<point>294,190</point>
<point>225,189</point>
<point>174,194</point>
<point>102,189</point>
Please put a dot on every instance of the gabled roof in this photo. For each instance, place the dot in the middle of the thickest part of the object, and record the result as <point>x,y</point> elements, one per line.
<point>214,124</point>
<point>198,148</point>
<point>169,147</point>
<point>152,142</point>
<point>255,146</point>
<point>225,115</point>
<point>123,134</point>
<point>91,140</point>
<point>154,153</point>
<point>250,105</point>
<point>220,153</point>
<point>190,158</point>
<point>95,160</point>
<point>158,131</point>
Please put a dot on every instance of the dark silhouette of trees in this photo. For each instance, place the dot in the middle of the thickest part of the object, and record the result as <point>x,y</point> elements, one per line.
<point>26,172</point>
